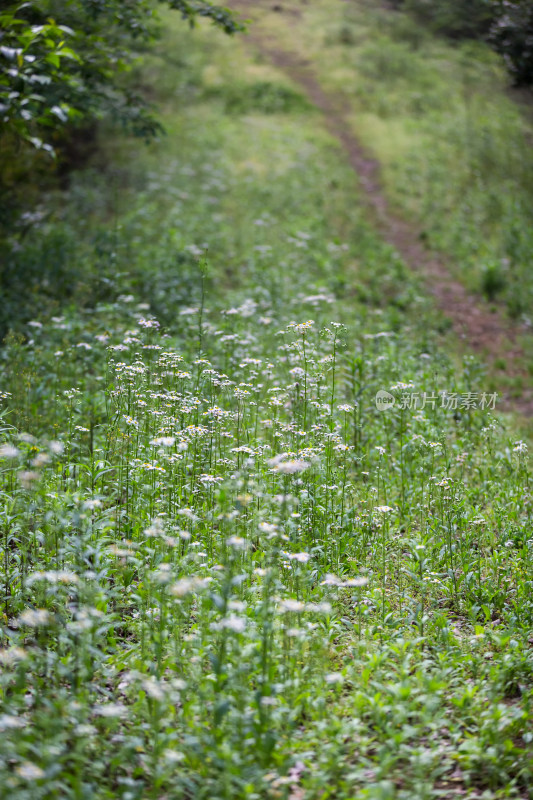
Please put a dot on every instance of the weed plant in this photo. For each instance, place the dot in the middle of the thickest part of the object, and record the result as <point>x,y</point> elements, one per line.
<point>225,572</point>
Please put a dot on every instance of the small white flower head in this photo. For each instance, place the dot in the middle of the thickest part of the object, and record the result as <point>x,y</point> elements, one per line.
<point>156,529</point>
<point>357,583</point>
<point>163,441</point>
<point>55,577</point>
<point>189,585</point>
<point>331,580</point>
<point>292,467</point>
<point>520,447</point>
<point>40,460</point>
<point>268,700</point>
<point>231,623</point>
<point>28,479</point>
<point>29,771</point>
<point>11,655</point>
<point>334,678</point>
<point>297,372</point>
<point>111,710</point>
<point>303,558</point>
<point>71,394</point>
<point>173,756</point>
<point>35,618</point>
<point>209,480</point>
<point>319,608</point>
<point>56,448</point>
<point>346,407</point>
<point>268,527</point>
<point>163,573</point>
<point>237,542</point>
<point>301,327</point>
<point>153,689</point>
<point>8,722</point>
<point>383,509</point>
<point>236,605</point>
<point>283,466</point>
<point>289,604</point>
<point>91,503</point>
<point>9,451</point>
<point>402,387</point>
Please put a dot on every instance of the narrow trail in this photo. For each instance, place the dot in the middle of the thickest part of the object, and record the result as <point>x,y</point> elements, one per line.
<point>483,330</point>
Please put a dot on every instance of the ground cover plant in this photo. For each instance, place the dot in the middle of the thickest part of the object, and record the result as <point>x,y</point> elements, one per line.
<point>226,572</point>
<point>452,139</point>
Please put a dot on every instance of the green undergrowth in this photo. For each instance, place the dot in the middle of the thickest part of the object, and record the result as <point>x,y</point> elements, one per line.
<point>454,143</point>
<point>226,573</point>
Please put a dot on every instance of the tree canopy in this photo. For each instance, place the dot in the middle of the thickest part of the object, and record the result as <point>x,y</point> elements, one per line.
<point>62,61</point>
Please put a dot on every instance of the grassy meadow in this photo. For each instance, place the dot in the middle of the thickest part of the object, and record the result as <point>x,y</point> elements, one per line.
<point>453,140</point>
<point>226,573</point>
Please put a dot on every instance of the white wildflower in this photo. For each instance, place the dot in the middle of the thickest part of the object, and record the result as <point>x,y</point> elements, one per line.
<point>268,700</point>
<point>331,580</point>
<point>110,710</point>
<point>153,689</point>
<point>356,582</point>
<point>187,586</point>
<point>9,451</point>
<point>290,467</point>
<point>268,527</point>
<point>29,771</point>
<point>163,441</point>
<point>231,623</point>
<point>303,558</point>
<point>291,605</point>
<point>319,608</point>
<point>28,478</point>
<point>334,677</point>
<point>173,756</point>
<point>11,655</point>
<point>8,722</point>
<point>35,618</point>
<point>238,542</point>
<point>56,448</point>
<point>63,576</point>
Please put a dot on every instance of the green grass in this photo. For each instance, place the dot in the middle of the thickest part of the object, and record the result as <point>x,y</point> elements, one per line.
<point>455,145</point>
<point>225,573</point>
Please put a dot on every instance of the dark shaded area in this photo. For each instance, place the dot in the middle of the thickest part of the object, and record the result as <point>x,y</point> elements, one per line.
<point>506,25</point>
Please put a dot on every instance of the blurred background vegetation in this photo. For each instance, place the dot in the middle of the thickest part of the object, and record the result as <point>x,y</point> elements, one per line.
<point>429,95</point>
<point>67,71</point>
<point>508,26</point>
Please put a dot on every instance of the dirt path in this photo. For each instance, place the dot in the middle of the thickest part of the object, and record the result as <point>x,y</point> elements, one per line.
<point>485,331</point>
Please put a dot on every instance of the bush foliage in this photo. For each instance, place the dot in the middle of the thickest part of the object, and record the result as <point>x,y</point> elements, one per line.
<point>507,25</point>
<point>62,62</point>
